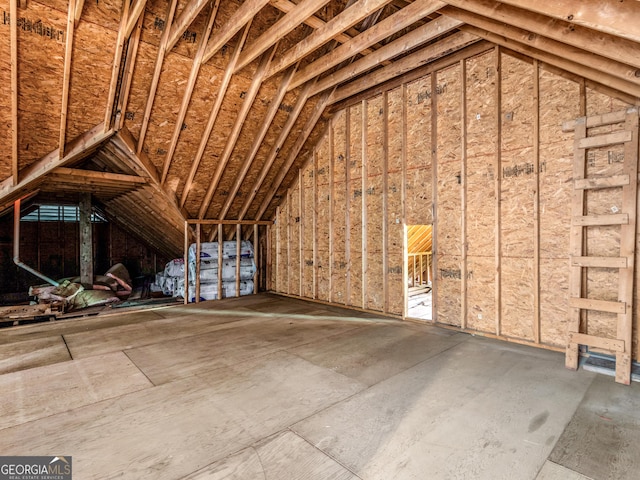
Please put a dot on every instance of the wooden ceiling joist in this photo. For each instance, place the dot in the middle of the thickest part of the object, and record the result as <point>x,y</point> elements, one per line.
<point>191,83</point>
<point>616,18</point>
<point>80,148</point>
<point>341,22</point>
<point>66,74</point>
<point>401,19</point>
<point>162,50</point>
<point>257,141</point>
<point>235,130</point>
<point>90,177</point>
<point>239,19</point>
<point>276,32</point>
<point>213,115</point>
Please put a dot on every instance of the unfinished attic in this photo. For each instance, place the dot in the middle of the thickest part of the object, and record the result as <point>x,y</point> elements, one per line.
<point>396,174</point>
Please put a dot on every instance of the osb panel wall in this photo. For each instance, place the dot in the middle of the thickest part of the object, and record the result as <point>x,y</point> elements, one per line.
<point>42,33</point>
<point>483,143</point>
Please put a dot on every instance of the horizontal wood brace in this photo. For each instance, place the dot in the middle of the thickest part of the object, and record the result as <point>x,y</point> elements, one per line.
<point>599,305</point>
<point>592,220</point>
<point>601,182</point>
<point>604,140</point>
<point>195,221</point>
<point>599,262</point>
<point>611,344</point>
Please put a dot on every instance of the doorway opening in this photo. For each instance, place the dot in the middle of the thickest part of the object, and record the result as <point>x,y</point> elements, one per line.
<point>419,271</point>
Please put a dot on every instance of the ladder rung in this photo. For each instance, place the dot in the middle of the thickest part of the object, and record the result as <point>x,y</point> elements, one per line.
<point>604,140</point>
<point>591,220</point>
<point>596,120</point>
<point>599,305</point>
<point>599,262</point>
<point>612,344</point>
<point>601,182</point>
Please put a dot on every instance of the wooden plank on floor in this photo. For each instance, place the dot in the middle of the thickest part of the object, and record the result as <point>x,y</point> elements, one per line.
<point>125,337</point>
<point>169,431</point>
<point>25,354</point>
<point>174,359</point>
<point>601,440</point>
<point>36,393</point>
<point>283,455</point>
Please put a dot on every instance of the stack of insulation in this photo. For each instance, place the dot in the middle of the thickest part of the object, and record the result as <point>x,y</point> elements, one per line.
<point>209,269</point>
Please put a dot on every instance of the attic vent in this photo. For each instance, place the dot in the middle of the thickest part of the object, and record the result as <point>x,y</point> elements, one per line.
<point>59,213</point>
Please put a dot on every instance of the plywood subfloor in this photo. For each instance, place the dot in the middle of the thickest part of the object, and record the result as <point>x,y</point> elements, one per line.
<point>280,389</point>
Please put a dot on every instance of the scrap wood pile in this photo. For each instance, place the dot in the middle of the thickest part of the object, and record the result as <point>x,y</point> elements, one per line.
<point>70,294</point>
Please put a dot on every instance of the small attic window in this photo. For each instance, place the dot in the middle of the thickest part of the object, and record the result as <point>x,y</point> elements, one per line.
<point>60,213</point>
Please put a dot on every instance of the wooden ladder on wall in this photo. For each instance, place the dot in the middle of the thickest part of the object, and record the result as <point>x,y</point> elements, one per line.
<point>580,260</point>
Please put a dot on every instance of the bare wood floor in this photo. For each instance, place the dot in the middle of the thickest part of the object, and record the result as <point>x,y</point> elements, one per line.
<point>276,388</point>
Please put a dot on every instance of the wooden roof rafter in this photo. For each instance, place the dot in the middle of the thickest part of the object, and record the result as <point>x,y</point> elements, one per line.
<point>275,148</point>
<point>607,67</point>
<point>258,139</point>
<point>293,153</point>
<point>162,51</point>
<point>243,16</point>
<point>313,21</point>
<point>616,18</point>
<point>13,12</point>
<point>402,19</point>
<point>134,15</point>
<point>213,115</point>
<point>115,68</point>
<point>66,74</point>
<point>341,22</point>
<point>187,16</point>
<point>235,131</point>
<point>191,83</point>
<point>278,31</point>
<point>561,30</point>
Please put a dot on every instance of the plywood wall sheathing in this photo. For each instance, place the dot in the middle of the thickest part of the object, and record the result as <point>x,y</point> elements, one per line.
<point>517,166</point>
